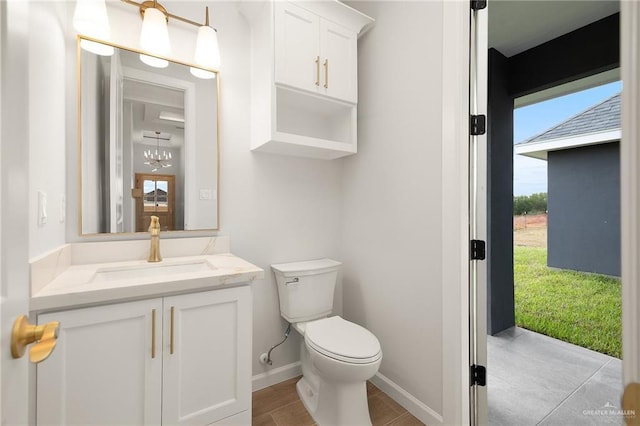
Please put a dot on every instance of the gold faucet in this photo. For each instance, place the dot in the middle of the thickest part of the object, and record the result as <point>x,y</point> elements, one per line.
<point>154,229</point>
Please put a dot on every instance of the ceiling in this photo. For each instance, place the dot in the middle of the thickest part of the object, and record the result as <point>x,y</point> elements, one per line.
<point>518,25</point>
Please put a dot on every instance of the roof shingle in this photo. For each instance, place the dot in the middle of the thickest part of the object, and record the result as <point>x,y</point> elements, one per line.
<point>598,118</point>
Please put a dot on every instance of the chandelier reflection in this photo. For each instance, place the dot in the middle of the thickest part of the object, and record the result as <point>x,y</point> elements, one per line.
<point>157,160</point>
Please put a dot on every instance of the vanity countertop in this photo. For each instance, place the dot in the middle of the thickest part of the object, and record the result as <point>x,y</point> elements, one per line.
<point>86,284</point>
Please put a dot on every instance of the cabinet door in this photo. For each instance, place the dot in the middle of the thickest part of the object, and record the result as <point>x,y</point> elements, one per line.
<point>102,370</point>
<point>207,356</point>
<point>339,56</point>
<point>297,47</point>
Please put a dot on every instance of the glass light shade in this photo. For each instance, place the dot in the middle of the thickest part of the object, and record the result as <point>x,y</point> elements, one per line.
<point>154,62</point>
<point>97,48</point>
<point>154,37</point>
<point>200,73</point>
<point>207,52</point>
<point>90,18</point>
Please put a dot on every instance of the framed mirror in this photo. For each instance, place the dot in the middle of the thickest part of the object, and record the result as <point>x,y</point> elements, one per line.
<point>148,143</point>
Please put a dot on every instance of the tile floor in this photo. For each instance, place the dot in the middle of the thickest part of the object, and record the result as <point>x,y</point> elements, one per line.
<point>279,405</point>
<point>536,380</point>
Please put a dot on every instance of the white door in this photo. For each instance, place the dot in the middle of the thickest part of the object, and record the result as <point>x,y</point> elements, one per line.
<point>106,368</point>
<point>14,229</point>
<point>297,47</point>
<point>630,204</point>
<point>339,61</point>
<point>207,356</point>
<point>478,210</point>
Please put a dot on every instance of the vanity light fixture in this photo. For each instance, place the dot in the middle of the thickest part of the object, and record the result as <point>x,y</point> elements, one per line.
<point>157,160</point>
<point>207,51</point>
<point>90,18</point>
<point>154,38</point>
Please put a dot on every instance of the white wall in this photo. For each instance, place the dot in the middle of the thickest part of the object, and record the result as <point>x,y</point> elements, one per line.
<point>383,212</point>
<point>275,209</point>
<point>47,132</point>
<point>392,225</point>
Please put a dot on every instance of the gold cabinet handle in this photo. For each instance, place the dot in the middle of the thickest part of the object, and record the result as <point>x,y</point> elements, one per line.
<point>171,332</point>
<point>317,70</point>
<point>153,333</point>
<point>326,73</point>
<point>24,334</point>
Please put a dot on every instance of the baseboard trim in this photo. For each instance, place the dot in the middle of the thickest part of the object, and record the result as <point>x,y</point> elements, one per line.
<point>420,410</point>
<point>276,375</point>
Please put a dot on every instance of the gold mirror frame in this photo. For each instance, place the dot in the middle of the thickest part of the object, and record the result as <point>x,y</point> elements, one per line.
<point>79,136</point>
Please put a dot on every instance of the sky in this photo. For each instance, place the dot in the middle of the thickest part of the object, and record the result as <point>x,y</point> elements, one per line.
<point>529,174</point>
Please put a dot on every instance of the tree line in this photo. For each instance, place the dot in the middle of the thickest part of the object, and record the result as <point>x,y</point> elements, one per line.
<point>530,204</point>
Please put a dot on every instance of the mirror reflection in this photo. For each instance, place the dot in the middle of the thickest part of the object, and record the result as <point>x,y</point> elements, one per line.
<point>148,145</point>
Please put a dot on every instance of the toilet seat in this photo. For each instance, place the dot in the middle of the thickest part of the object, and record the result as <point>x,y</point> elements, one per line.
<point>340,339</point>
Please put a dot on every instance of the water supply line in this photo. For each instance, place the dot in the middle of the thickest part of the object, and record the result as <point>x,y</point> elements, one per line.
<point>286,335</point>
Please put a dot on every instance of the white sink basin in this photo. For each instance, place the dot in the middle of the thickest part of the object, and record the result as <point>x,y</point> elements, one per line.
<point>150,270</point>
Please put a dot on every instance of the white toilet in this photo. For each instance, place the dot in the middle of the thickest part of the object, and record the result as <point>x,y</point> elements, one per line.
<point>338,356</point>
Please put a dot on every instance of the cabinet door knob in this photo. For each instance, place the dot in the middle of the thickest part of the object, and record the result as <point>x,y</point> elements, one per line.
<point>24,334</point>
<point>326,73</point>
<point>317,70</point>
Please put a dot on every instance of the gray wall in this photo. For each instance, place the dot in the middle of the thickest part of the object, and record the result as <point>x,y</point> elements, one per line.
<point>500,297</point>
<point>584,209</point>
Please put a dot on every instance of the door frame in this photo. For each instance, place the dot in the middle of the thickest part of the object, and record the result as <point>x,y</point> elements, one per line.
<point>478,213</point>
<point>455,212</point>
<point>629,189</point>
<point>139,198</point>
<point>14,204</point>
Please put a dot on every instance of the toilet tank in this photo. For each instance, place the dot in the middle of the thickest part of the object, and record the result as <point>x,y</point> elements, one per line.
<point>305,289</point>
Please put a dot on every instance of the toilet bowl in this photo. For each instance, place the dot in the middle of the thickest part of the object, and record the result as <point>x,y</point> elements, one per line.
<point>337,356</point>
<point>344,356</point>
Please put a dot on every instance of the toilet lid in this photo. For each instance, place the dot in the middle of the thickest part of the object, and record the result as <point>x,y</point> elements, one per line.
<point>343,340</point>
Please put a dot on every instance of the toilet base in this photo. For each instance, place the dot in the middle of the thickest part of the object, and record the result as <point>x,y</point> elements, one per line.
<point>330,405</point>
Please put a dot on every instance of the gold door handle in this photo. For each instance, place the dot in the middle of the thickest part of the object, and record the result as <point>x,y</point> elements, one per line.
<point>326,73</point>
<point>24,334</point>
<point>317,70</point>
<point>631,404</point>
<point>171,332</point>
<point>153,333</point>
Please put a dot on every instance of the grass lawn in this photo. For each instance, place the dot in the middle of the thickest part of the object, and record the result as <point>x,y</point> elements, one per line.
<point>579,308</point>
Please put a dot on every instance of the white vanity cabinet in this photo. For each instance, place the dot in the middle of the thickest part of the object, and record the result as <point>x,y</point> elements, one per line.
<point>207,362</point>
<point>101,370</point>
<point>315,54</point>
<point>304,77</point>
<point>175,360</point>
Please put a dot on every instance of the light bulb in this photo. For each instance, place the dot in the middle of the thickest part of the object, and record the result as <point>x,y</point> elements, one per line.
<point>154,62</point>
<point>200,73</point>
<point>97,48</point>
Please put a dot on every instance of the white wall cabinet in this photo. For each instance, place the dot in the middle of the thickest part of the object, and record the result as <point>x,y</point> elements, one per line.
<point>315,54</point>
<point>109,367</point>
<point>304,77</point>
